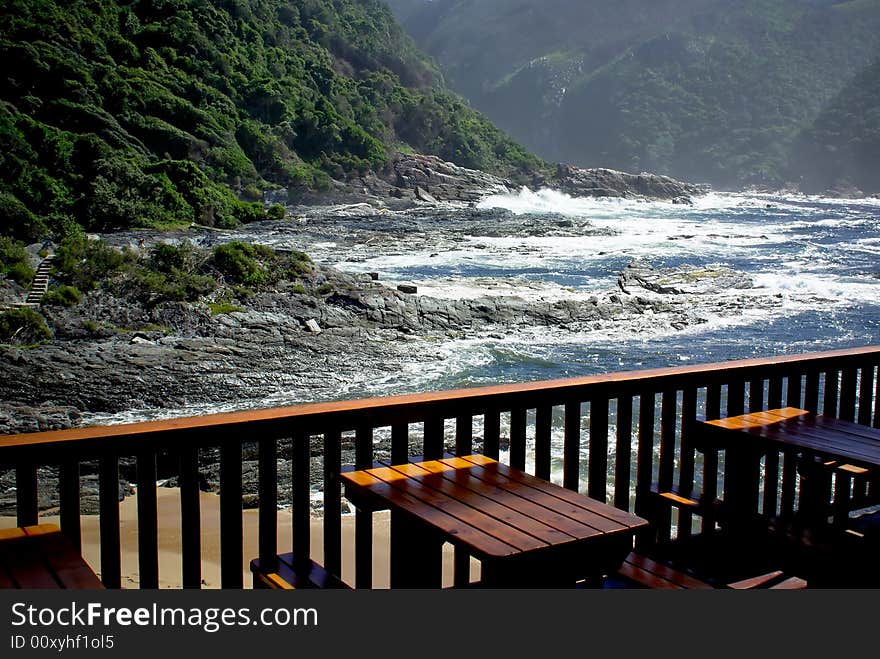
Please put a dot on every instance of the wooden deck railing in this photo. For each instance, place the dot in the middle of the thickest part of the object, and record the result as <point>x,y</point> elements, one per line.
<point>622,430</point>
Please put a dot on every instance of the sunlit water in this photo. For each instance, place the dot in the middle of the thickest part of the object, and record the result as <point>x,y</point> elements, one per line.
<point>816,259</point>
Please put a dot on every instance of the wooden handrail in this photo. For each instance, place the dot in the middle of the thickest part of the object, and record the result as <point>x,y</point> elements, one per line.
<point>490,397</point>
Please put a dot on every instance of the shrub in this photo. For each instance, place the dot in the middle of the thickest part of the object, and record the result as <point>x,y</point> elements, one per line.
<point>23,326</point>
<point>218,308</point>
<point>275,212</point>
<point>62,296</point>
<point>14,261</point>
<point>18,221</point>
<point>85,263</point>
<point>238,262</point>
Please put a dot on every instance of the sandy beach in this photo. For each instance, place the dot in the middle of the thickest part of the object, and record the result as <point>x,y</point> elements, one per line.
<point>169,541</point>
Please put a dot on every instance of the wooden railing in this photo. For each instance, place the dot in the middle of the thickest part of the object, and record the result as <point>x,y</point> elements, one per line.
<point>617,437</point>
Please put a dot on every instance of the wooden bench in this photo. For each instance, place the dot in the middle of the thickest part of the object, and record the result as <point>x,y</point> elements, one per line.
<point>42,557</point>
<point>286,575</point>
<point>649,573</point>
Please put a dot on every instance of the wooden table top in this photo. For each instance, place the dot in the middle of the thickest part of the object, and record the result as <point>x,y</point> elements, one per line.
<point>42,557</point>
<point>816,434</point>
<point>491,509</point>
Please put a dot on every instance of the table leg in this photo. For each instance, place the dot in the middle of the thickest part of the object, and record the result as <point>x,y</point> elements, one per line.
<point>815,492</point>
<point>742,478</point>
<point>416,554</point>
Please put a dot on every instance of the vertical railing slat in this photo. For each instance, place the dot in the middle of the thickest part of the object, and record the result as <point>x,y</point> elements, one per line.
<point>108,495</point>
<point>645,463</point>
<point>301,501</point>
<point>399,443</point>
<point>597,465</point>
<point>69,499</point>
<point>464,435</point>
<point>333,502</point>
<point>190,519</point>
<point>571,446</point>
<point>433,447</point>
<point>491,433</point>
<point>832,390</point>
<point>543,430</point>
<point>518,438</point>
<point>363,523</point>
<point>756,395</point>
<point>623,453</point>
<point>666,467</point>
<point>231,525</point>
<point>27,506</point>
<point>268,504</point>
<point>148,520</point>
<point>774,393</point>
<point>710,460</point>
<point>736,396</point>
<point>794,389</point>
<point>811,391</point>
<point>866,394</point>
<point>668,413</point>
<point>848,394</point>
<point>686,470</point>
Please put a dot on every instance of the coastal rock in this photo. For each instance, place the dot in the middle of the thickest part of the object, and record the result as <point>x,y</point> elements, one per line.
<point>600,182</point>
<point>683,280</point>
<point>431,179</point>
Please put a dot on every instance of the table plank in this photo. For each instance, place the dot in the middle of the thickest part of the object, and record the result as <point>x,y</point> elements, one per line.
<point>501,511</point>
<point>800,429</point>
<point>560,506</point>
<point>463,474</point>
<point>465,514</point>
<point>477,540</point>
<point>621,517</point>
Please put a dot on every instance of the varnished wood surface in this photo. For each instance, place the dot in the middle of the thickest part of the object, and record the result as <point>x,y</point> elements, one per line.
<point>491,509</point>
<point>41,557</point>
<point>816,434</point>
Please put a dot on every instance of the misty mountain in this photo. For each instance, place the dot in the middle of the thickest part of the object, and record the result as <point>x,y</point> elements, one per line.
<point>707,90</point>
<point>842,147</point>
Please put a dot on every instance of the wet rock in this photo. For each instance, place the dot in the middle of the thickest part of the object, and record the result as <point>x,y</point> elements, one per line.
<point>686,279</point>
<point>600,182</point>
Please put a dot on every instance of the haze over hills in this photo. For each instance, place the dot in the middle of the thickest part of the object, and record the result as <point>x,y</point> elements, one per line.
<point>719,91</point>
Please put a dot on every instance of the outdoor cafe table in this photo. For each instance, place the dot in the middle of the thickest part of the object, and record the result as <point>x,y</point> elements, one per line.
<point>815,439</point>
<point>525,531</point>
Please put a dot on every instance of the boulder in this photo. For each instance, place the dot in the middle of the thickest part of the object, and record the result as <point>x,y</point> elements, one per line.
<point>600,182</point>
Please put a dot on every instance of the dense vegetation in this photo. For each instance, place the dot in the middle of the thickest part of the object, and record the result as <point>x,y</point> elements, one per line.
<point>705,90</point>
<point>162,112</point>
<point>170,273</point>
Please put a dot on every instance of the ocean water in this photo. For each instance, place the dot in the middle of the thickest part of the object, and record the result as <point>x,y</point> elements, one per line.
<point>814,264</point>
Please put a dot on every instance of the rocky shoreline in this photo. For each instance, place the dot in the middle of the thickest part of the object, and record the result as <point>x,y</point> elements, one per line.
<point>109,357</point>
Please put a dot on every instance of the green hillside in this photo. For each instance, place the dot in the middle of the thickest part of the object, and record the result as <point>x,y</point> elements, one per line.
<point>161,112</point>
<point>705,90</point>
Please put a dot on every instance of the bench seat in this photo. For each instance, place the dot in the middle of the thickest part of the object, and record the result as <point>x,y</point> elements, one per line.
<point>284,576</point>
<point>41,557</point>
<point>649,573</point>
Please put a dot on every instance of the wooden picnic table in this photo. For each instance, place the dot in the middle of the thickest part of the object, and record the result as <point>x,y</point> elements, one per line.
<point>815,439</point>
<point>41,557</point>
<point>525,531</point>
